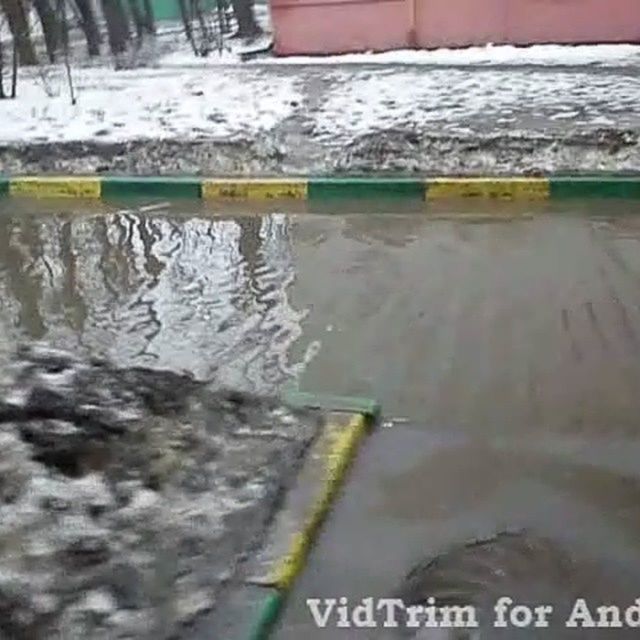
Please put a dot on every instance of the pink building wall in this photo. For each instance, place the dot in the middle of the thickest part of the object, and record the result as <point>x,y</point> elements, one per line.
<point>341,26</point>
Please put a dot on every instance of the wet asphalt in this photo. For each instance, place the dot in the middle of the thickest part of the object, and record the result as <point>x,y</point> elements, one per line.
<point>505,354</point>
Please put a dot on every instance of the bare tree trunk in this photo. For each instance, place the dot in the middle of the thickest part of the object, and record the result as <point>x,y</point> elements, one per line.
<point>89,26</point>
<point>249,247</point>
<point>2,95</point>
<point>206,36</point>
<point>19,26</point>
<point>186,22</point>
<point>117,25</point>
<point>247,25</point>
<point>138,20</point>
<point>221,26</point>
<point>149,19</point>
<point>14,70</point>
<point>223,15</point>
<point>50,27</point>
<point>64,33</point>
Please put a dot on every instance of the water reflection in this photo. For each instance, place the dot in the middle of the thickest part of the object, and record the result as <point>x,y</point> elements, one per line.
<point>209,296</point>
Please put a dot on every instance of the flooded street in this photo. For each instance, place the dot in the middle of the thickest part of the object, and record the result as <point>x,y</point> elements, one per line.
<point>508,354</point>
<point>505,352</point>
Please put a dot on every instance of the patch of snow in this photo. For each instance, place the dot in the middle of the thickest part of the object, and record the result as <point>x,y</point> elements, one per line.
<point>449,100</point>
<point>547,55</point>
<point>146,103</point>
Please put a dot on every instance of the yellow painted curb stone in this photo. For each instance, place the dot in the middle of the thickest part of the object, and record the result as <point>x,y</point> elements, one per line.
<point>339,444</point>
<point>499,188</point>
<point>255,189</point>
<point>54,187</point>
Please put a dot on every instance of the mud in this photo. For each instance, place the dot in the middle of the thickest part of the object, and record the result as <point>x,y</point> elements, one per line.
<point>291,152</point>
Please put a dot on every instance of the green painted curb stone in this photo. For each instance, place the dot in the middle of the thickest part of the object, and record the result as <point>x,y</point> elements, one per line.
<point>596,187</point>
<point>357,188</point>
<point>366,406</point>
<point>237,615</point>
<point>150,187</point>
<point>267,616</point>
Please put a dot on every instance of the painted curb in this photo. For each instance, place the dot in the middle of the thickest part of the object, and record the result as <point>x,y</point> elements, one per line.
<point>115,187</point>
<point>327,189</point>
<point>256,189</point>
<point>268,616</point>
<point>324,189</point>
<point>365,406</point>
<point>54,187</point>
<point>299,521</point>
<point>494,188</point>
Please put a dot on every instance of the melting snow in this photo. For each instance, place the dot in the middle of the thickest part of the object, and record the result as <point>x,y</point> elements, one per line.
<point>240,101</point>
<point>451,100</point>
<point>145,103</point>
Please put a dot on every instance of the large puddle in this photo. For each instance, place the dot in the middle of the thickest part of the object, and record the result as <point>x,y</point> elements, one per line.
<point>506,354</point>
<point>203,294</point>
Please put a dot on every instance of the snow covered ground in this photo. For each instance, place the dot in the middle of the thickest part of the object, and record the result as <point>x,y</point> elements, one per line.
<point>463,102</point>
<point>145,103</point>
<point>337,102</point>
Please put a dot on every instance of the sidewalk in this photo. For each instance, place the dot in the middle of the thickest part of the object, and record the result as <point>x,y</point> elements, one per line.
<point>496,110</point>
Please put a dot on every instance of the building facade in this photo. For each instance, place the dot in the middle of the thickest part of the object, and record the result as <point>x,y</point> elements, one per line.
<point>341,26</point>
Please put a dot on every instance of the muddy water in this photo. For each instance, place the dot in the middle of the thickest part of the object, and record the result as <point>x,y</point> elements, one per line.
<point>203,294</point>
<point>507,357</point>
<point>506,353</point>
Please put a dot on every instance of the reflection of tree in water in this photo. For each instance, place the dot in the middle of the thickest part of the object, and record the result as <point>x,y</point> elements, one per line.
<point>278,325</point>
<point>197,294</point>
<point>249,243</point>
<point>20,247</point>
<point>72,301</point>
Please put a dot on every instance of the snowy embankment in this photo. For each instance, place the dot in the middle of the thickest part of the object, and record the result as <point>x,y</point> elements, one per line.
<point>491,109</point>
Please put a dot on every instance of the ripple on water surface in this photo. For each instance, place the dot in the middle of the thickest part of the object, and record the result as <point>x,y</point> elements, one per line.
<point>206,295</point>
